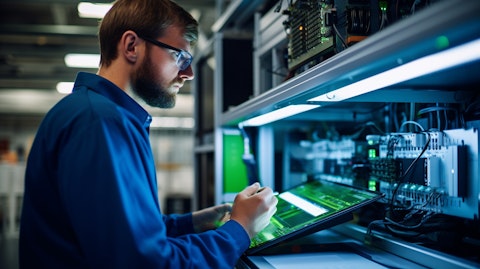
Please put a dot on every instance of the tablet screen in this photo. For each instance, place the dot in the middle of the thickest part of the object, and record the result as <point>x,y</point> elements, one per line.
<point>308,208</point>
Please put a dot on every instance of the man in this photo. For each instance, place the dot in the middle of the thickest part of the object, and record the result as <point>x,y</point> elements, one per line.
<point>90,186</point>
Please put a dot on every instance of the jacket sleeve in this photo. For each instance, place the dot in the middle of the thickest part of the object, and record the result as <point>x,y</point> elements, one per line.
<point>178,224</point>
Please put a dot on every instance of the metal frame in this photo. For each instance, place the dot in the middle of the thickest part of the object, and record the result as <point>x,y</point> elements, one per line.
<point>388,48</point>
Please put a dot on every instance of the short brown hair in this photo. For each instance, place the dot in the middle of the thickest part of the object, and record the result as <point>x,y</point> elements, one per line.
<point>147,18</point>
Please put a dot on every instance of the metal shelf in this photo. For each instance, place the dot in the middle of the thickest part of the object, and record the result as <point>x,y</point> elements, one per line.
<point>412,38</point>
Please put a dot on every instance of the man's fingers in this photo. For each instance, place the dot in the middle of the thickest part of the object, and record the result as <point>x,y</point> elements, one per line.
<point>252,189</point>
<point>228,207</point>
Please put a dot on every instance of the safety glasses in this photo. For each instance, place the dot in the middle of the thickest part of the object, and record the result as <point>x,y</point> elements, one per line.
<point>184,58</point>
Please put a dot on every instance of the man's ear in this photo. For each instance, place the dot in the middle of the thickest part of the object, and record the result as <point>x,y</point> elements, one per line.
<point>129,46</point>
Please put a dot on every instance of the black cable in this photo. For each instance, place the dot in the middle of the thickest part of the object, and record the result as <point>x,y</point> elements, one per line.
<point>344,43</point>
<point>279,7</point>
<point>402,178</point>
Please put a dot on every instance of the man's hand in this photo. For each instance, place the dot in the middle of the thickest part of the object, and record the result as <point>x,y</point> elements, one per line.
<point>253,208</point>
<point>210,218</point>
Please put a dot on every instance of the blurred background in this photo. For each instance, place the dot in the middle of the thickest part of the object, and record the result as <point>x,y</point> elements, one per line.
<point>38,38</point>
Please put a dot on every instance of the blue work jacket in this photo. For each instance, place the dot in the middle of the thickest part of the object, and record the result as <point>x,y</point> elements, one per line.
<point>91,199</point>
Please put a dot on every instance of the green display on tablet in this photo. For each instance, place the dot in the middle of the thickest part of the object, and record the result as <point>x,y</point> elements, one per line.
<point>311,207</point>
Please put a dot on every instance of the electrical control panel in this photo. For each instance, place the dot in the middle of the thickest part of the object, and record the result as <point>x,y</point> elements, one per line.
<point>435,171</point>
<point>432,171</point>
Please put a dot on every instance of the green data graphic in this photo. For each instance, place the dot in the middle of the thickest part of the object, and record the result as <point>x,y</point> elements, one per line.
<point>307,204</point>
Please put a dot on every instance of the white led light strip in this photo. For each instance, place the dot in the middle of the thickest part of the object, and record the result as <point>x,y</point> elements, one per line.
<point>466,53</point>
<point>278,114</point>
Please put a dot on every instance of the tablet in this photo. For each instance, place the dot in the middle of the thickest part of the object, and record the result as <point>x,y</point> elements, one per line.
<point>308,208</point>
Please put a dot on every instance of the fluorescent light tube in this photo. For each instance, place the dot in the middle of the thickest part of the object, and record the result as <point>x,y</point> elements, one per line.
<point>278,114</point>
<point>462,54</point>
<point>65,87</point>
<point>92,10</point>
<point>172,122</point>
<point>82,60</point>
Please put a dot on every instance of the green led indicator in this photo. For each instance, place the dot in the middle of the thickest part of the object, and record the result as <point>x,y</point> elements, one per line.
<point>442,42</point>
<point>383,5</point>
<point>372,185</point>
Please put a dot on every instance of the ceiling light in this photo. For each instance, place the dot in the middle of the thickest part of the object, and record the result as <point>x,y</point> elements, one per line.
<point>92,10</point>
<point>172,122</point>
<point>64,87</point>
<point>468,52</point>
<point>278,114</point>
<point>82,60</point>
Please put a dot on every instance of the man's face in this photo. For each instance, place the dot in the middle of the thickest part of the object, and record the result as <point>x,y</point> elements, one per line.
<point>158,79</point>
<point>146,85</point>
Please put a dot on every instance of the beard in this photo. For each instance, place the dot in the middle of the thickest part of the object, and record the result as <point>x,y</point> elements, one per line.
<point>150,91</point>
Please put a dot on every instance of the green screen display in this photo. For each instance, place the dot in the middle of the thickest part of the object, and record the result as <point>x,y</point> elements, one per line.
<point>309,204</point>
<point>234,170</point>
